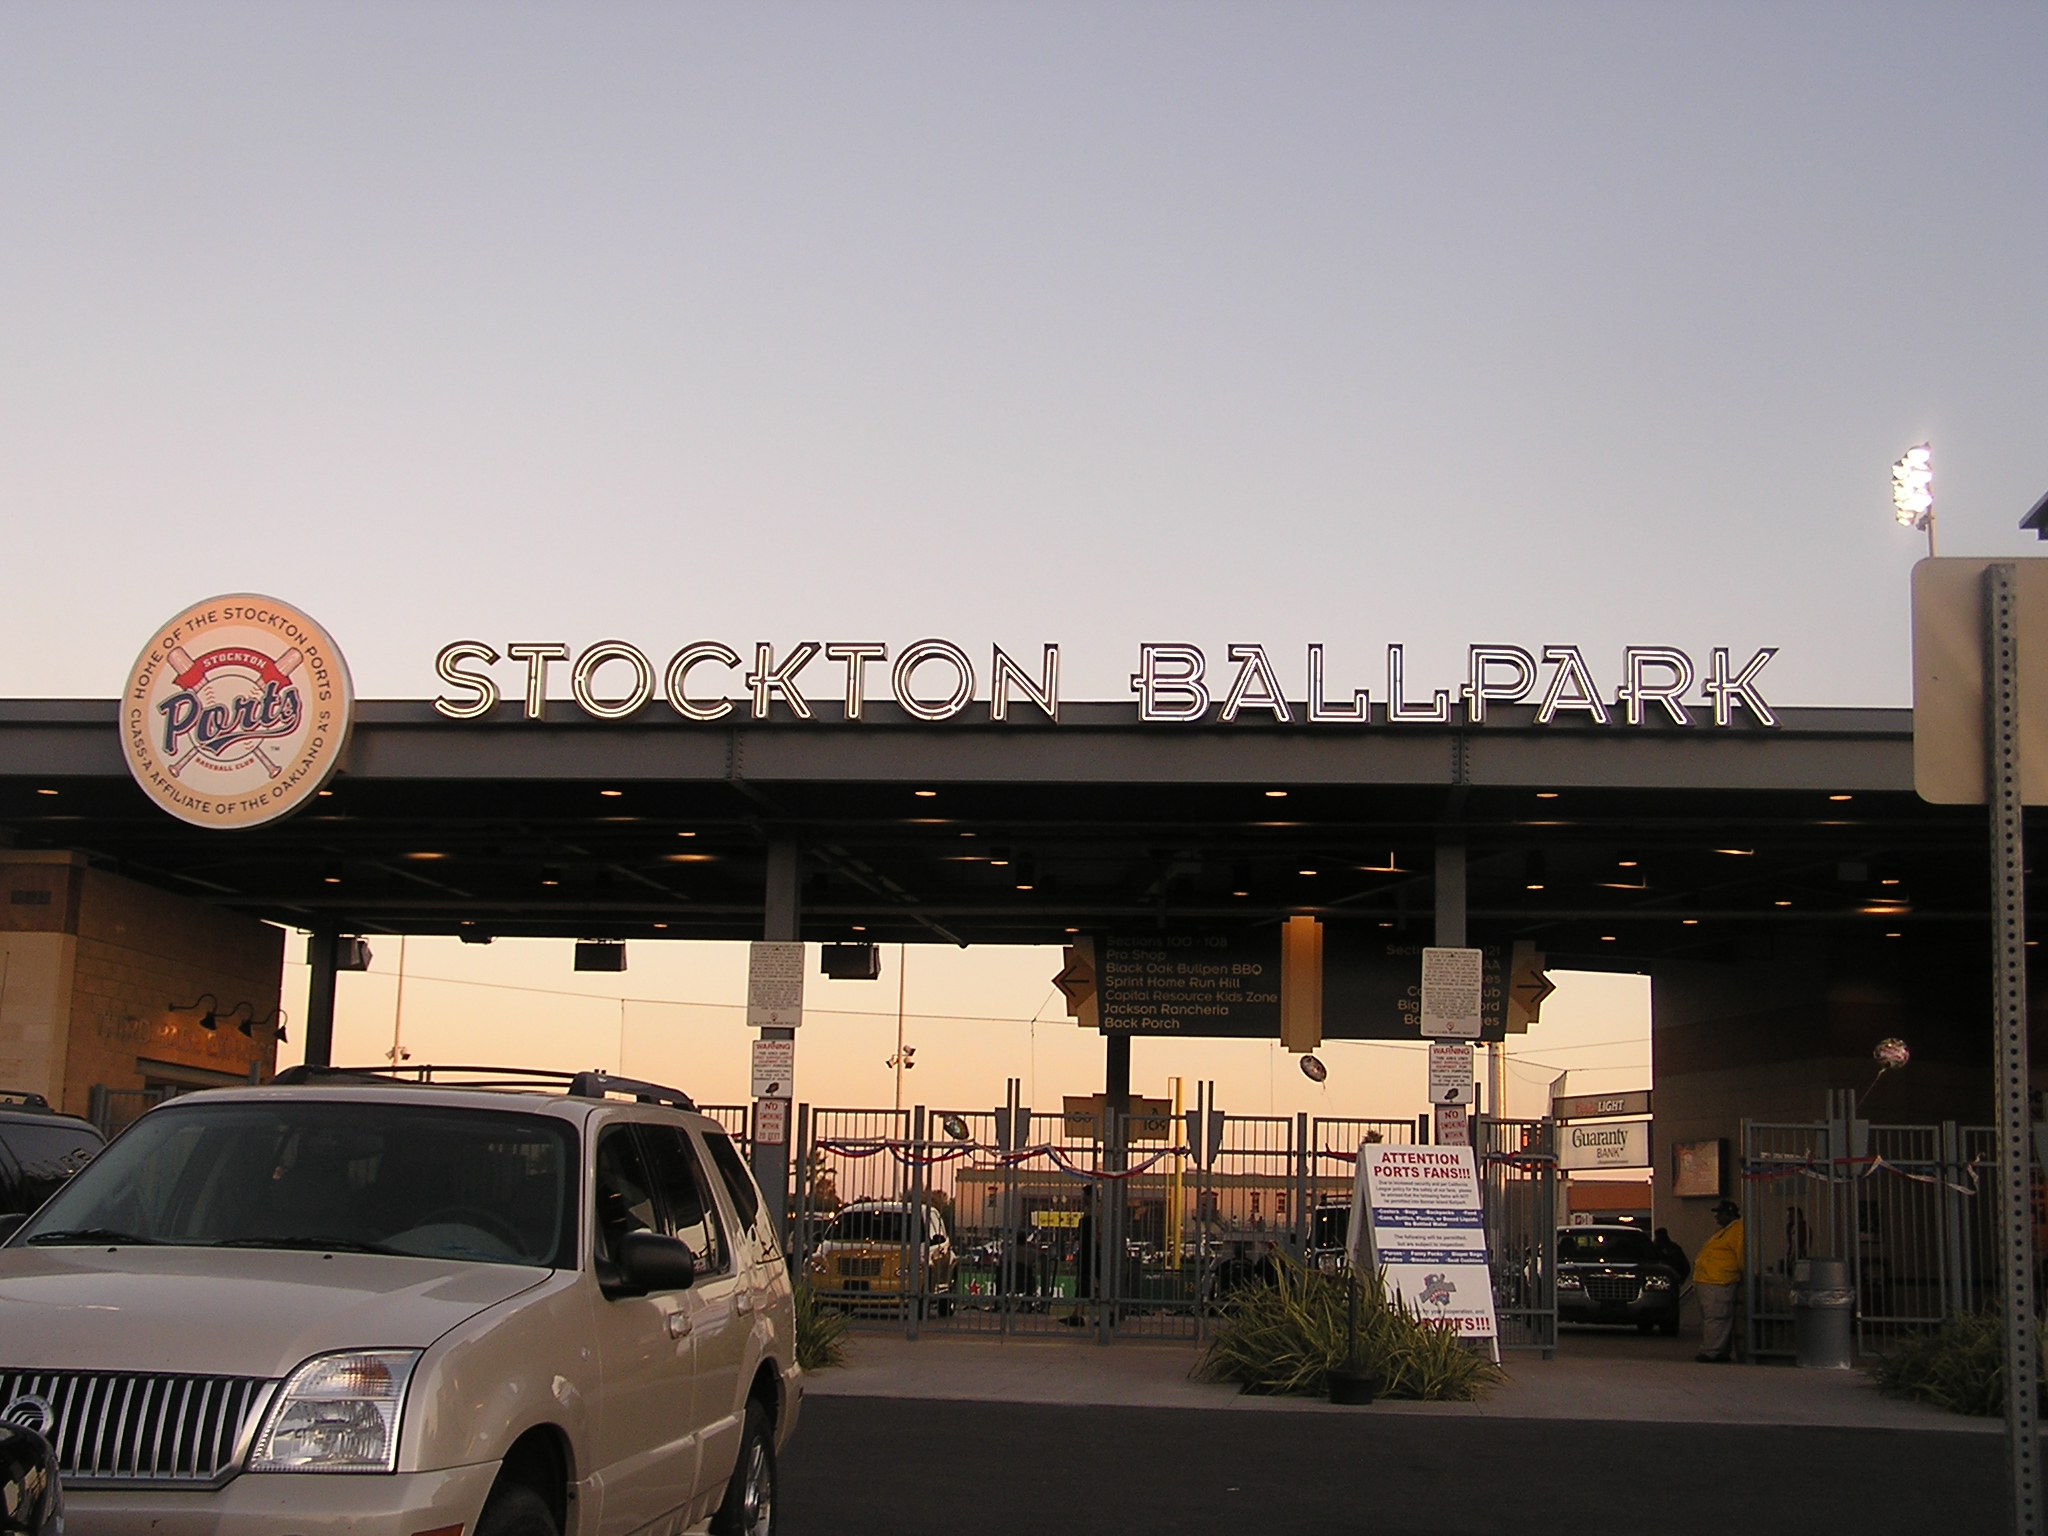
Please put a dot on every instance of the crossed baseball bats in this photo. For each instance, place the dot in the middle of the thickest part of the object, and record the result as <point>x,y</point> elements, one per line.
<point>181,662</point>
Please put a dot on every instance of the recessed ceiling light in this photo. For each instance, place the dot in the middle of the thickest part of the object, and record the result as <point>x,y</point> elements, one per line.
<point>1606,938</point>
<point>46,791</point>
<point>1534,886</point>
<point>1740,853</point>
<point>661,925</point>
<point>426,855</point>
<point>1893,881</point>
<point>926,794</point>
<point>1690,922</point>
<point>1546,794</point>
<point>325,793</point>
<point>1304,871</point>
<point>1240,893</point>
<point>611,794</point>
<point>1073,930</point>
<point>550,882</point>
<point>1901,936</point>
<point>1386,925</point>
<point>1782,903</point>
<point>1276,794</point>
<point>675,858</point>
<point>1839,798</point>
<point>331,879</point>
<point>967,834</point>
<point>860,927</point>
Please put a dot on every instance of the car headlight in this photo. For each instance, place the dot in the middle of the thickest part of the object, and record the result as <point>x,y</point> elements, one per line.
<point>1570,1283</point>
<point>1657,1283</point>
<point>337,1413</point>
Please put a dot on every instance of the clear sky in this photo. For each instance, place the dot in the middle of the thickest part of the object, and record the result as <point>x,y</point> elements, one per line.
<point>1094,323</point>
<point>1090,323</point>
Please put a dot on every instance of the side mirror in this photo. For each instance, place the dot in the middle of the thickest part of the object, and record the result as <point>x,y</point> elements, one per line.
<point>650,1262</point>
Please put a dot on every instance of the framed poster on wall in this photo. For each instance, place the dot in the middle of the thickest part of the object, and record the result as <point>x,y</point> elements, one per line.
<point>1699,1168</point>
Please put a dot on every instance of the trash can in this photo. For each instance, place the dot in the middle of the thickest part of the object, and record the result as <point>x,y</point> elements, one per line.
<point>1823,1315</point>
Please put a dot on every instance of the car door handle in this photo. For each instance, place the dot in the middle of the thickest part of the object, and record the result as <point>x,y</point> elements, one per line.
<point>743,1302</point>
<point>678,1324</point>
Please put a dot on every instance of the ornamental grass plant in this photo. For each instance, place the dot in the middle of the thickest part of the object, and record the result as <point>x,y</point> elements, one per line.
<point>1960,1366</point>
<point>1284,1339</point>
<point>820,1332</point>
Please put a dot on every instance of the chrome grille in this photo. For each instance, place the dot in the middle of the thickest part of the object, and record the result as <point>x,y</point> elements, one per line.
<point>1614,1287</point>
<point>117,1427</point>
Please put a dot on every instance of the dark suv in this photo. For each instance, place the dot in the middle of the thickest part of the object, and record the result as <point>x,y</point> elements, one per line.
<point>1609,1274</point>
<point>39,1150</point>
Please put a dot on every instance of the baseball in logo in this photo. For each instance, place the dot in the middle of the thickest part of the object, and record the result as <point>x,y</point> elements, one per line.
<point>236,712</point>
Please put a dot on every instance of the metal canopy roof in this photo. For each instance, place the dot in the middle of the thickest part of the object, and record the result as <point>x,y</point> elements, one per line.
<point>1614,841</point>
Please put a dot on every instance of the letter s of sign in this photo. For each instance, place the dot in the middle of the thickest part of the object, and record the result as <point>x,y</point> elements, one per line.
<point>1168,683</point>
<point>448,668</point>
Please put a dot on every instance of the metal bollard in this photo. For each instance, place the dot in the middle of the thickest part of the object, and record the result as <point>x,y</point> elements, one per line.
<point>1823,1315</point>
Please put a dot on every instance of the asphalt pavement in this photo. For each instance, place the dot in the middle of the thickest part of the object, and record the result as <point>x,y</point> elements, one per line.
<point>862,1465</point>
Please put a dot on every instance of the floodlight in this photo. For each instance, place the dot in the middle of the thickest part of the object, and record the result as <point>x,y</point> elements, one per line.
<point>1913,491</point>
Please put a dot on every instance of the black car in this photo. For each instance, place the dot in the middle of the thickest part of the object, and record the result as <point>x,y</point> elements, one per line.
<point>39,1150</point>
<point>1609,1274</point>
<point>31,1496</point>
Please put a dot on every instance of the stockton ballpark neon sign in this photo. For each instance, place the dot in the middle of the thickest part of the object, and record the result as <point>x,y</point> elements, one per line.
<point>936,680</point>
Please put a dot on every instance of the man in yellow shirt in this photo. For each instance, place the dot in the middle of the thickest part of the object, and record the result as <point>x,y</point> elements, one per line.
<point>1715,1274</point>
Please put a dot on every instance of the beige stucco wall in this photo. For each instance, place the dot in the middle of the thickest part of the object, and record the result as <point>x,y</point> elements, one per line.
<point>104,960</point>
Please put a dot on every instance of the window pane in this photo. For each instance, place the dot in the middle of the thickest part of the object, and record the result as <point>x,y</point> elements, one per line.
<point>625,1194</point>
<point>692,1214</point>
<point>746,1199</point>
<point>418,1180</point>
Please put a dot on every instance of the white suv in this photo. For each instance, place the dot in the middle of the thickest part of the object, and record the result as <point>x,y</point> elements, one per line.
<point>340,1303</point>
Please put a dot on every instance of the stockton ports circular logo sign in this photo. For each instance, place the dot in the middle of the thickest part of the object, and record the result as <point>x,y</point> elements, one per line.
<point>236,712</point>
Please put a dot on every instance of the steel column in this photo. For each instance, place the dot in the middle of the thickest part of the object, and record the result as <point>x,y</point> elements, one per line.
<point>781,920</point>
<point>320,955</point>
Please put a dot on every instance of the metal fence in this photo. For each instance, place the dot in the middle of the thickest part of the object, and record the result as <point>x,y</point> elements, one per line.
<point>1518,1193</point>
<point>1121,1226</point>
<point>1901,1203</point>
<point>115,1109</point>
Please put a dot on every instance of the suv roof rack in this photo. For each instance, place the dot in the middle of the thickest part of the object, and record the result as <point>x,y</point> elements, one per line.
<point>576,1085</point>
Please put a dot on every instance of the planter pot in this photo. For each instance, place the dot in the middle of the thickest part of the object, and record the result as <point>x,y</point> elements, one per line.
<point>1352,1387</point>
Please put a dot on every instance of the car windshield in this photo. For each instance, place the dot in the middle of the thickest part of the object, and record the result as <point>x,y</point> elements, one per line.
<point>870,1226</point>
<point>418,1180</point>
<point>1586,1245</point>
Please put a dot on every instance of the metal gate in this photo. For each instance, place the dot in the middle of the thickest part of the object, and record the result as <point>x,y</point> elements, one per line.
<point>1518,1193</point>
<point>1900,1202</point>
<point>1010,1222</point>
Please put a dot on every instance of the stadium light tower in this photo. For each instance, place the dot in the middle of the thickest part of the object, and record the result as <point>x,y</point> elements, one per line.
<point>1913,491</point>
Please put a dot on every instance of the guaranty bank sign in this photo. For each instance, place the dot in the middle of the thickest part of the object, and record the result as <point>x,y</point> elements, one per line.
<point>936,680</point>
